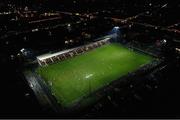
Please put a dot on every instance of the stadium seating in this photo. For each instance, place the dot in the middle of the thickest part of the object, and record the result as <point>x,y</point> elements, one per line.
<point>72,53</point>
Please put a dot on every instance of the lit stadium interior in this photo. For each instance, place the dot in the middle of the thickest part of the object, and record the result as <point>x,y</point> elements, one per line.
<point>90,58</point>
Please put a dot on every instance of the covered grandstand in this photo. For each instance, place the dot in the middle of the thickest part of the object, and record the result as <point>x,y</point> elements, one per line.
<point>62,55</point>
<point>53,66</point>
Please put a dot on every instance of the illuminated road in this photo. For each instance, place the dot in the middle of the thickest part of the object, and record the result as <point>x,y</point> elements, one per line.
<point>128,20</point>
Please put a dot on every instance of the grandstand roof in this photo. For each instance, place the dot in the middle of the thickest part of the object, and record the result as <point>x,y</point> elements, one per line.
<point>49,55</point>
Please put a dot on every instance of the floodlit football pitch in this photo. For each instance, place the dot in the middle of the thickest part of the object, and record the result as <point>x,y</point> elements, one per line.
<point>79,76</point>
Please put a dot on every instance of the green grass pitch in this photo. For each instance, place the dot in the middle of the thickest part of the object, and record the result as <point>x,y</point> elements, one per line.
<point>76,77</point>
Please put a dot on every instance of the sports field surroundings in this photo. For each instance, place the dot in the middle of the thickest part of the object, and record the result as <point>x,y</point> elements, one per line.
<point>76,77</point>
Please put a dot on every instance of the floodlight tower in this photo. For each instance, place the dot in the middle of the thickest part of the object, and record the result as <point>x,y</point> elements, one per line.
<point>117,33</point>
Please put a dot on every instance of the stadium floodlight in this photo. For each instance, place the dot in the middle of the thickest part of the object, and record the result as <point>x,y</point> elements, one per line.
<point>164,41</point>
<point>116,27</point>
